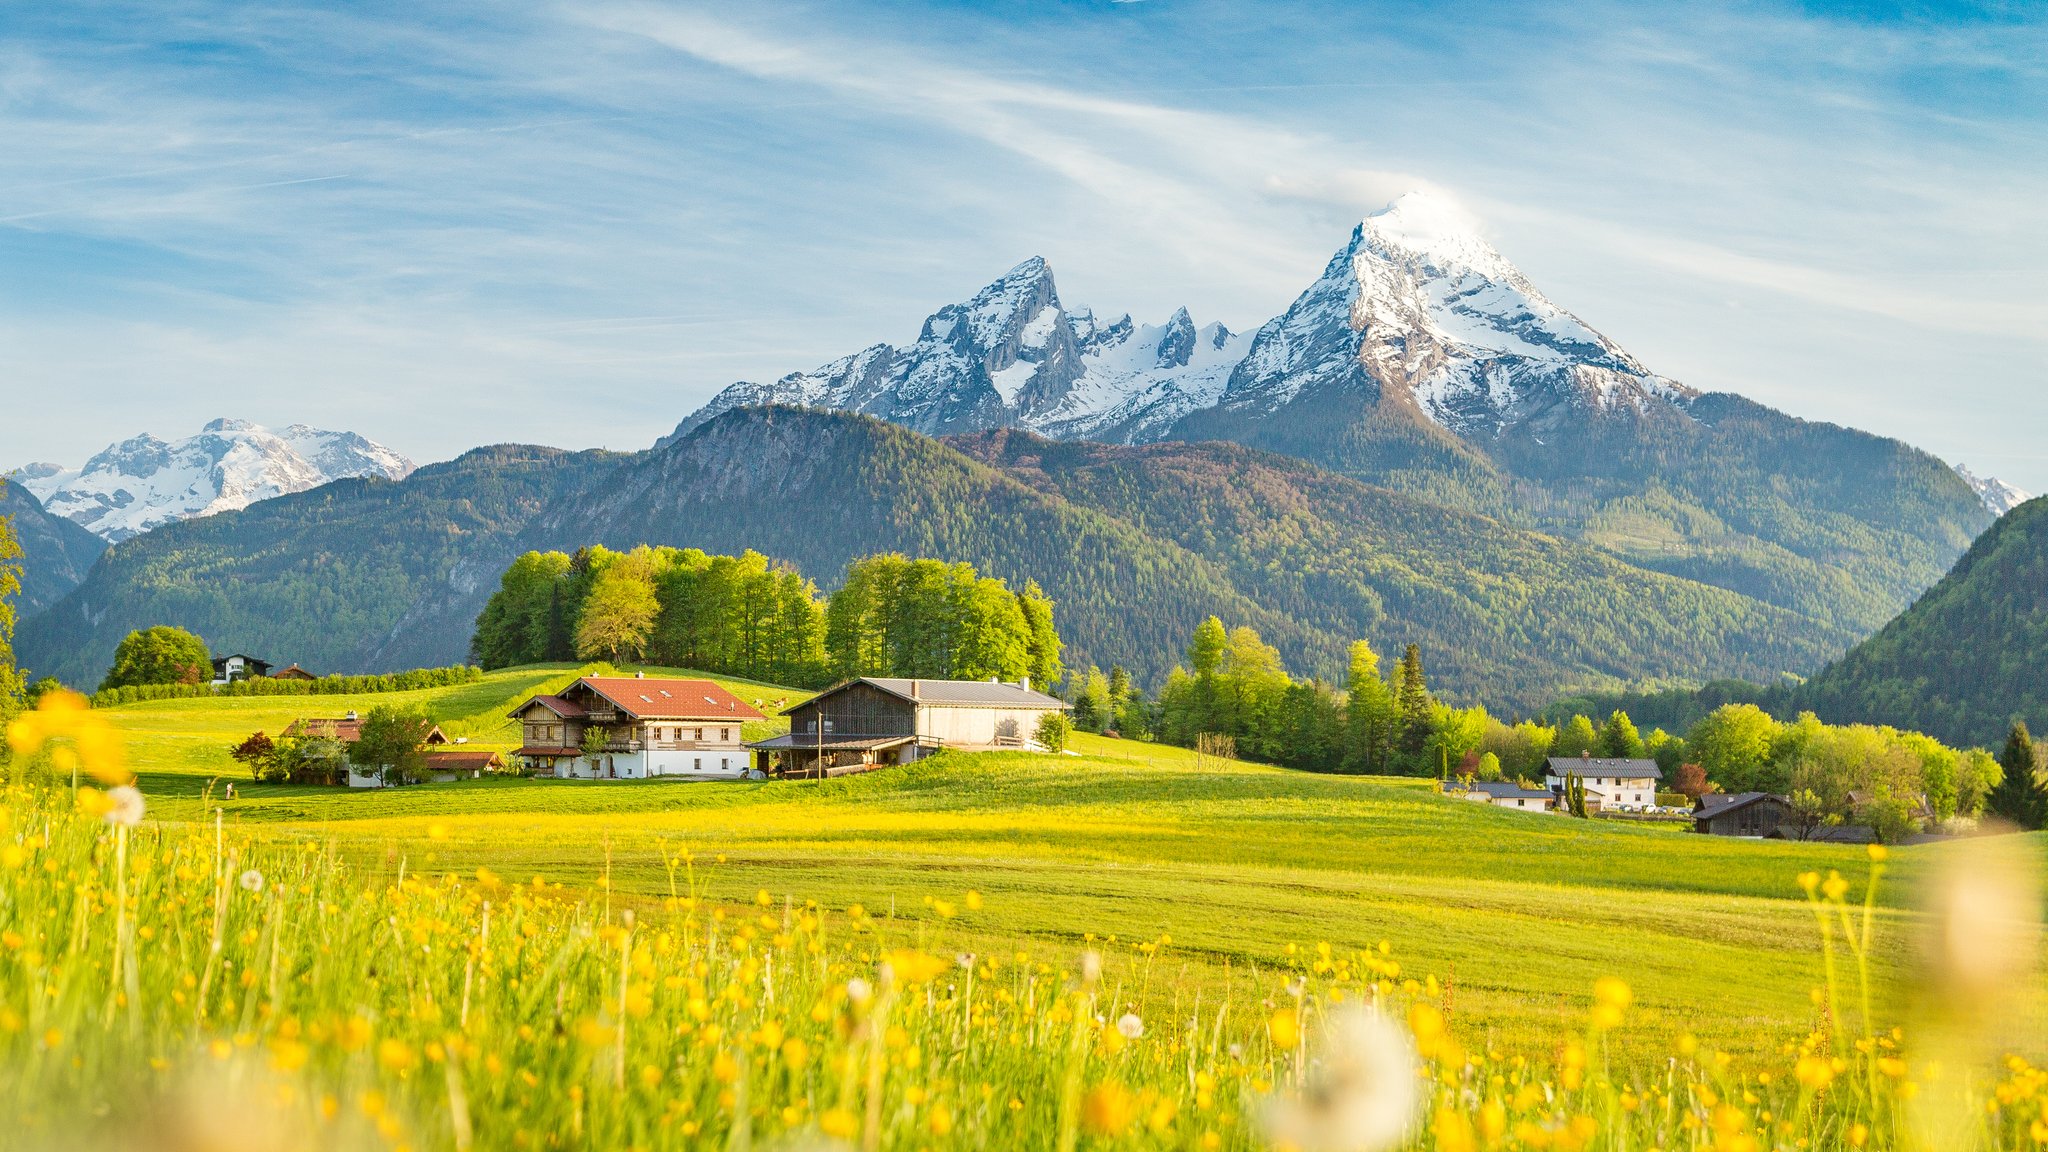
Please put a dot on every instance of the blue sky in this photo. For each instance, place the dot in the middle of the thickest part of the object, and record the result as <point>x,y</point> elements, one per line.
<point>445,225</point>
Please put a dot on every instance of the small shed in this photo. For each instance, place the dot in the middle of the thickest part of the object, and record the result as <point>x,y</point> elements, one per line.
<point>1755,814</point>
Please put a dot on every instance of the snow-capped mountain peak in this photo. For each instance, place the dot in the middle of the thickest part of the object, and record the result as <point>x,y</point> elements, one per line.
<point>1997,495</point>
<point>144,481</point>
<point>1439,232</point>
<point>1417,309</point>
<point>1012,355</point>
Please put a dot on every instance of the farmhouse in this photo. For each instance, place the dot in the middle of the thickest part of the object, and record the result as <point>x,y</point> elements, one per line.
<point>349,729</point>
<point>1610,784</point>
<point>228,669</point>
<point>1503,794</point>
<point>633,727</point>
<point>1741,814</point>
<point>293,672</point>
<point>875,721</point>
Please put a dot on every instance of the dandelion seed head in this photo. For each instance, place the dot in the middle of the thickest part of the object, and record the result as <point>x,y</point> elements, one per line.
<point>252,881</point>
<point>124,806</point>
<point>1360,1093</point>
<point>1130,1026</point>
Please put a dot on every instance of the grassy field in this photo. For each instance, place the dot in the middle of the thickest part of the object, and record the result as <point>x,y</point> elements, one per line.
<point>1515,913</point>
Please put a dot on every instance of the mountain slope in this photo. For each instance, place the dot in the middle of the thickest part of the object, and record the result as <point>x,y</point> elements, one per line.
<point>1423,361</point>
<point>332,578</point>
<point>1135,544</point>
<point>1503,612</point>
<point>1968,657</point>
<point>56,553</point>
<point>143,482</point>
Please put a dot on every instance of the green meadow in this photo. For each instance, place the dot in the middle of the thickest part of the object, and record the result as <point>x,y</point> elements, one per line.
<point>1516,914</point>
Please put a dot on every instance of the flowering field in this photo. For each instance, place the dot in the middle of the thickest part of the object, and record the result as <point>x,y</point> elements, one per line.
<point>280,981</point>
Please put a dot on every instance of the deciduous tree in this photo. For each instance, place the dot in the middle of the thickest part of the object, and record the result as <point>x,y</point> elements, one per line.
<point>159,655</point>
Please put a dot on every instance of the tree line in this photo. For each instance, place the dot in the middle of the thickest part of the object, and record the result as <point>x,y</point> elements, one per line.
<point>752,617</point>
<point>1233,685</point>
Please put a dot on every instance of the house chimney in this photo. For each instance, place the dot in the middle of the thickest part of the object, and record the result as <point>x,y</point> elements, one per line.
<point>1024,682</point>
<point>913,690</point>
<point>1586,754</point>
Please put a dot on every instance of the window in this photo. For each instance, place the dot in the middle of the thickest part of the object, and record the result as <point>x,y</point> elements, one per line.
<point>697,765</point>
<point>700,733</point>
<point>724,762</point>
<point>724,735</point>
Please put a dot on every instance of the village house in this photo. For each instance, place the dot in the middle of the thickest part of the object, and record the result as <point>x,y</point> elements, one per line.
<point>349,728</point>
<point>634,727</point>
<point>1502,794</point>
<point>292,672</point>
<point>1757,814</point>
<point>1611,784</point>
<point>875,721</point>
<point>228,669</point>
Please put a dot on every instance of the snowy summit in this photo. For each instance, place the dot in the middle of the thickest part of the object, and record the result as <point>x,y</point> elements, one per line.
<point>144,482</point>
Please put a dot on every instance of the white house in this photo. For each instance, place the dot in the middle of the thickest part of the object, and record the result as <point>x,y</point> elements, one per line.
<point>634,727</point>
<point>1503,794</point>
<point>1610,783</point>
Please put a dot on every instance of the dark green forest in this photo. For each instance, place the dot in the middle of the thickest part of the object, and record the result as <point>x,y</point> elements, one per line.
<point>748,616</point>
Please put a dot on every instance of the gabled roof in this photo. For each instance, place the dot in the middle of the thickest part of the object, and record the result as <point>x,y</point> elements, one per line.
<point>566,709</point>
<point>649,698</point>
<point>1499,790</point>
<point>1604,766</point>
<point>948,693</point>
<point>348,731</point>
<point>1714,805</point>
<point>455,759</point>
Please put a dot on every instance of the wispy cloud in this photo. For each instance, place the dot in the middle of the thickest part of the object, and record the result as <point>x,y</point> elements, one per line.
<point>359,215</point>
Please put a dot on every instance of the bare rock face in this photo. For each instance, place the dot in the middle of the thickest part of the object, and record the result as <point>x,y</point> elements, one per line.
<point>144,482</point>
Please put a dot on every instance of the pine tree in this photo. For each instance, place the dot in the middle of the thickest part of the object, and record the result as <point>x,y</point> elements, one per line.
<point>1414,709</point>
<point>1619,738</point>
<point>2020,797</point>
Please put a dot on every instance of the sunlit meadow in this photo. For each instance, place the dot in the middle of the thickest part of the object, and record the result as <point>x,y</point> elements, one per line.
<point>197,984</point>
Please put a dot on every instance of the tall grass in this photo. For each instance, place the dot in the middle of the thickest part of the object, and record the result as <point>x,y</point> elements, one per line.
<point>196,985</point>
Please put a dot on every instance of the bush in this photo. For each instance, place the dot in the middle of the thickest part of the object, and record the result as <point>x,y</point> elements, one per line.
<point>410,681</point>
<point>1053,730</point>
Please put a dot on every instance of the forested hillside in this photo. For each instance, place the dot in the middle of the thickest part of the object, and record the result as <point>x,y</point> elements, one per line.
<point>343,578</point>
<point>1968,657</point>
<point>55,553</point>
<point>1135,546</point>
<point>1962,663</point>
<point>1498,607</point>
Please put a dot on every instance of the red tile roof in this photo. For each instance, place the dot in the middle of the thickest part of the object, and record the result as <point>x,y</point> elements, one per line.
<point>347,731</point>
<point>566,709</point>
<point>461,759</point>
<point>661,699</point>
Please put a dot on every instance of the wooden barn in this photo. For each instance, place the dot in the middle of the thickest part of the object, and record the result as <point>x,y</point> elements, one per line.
<point>875,721</point>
